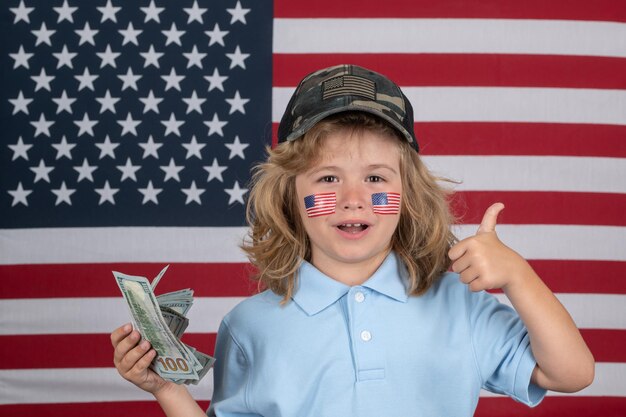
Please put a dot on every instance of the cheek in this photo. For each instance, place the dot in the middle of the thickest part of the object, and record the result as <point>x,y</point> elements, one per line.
<point>314,227</point>
<point>321,204</point>
<point>387,203</point>
<point>391,223</point>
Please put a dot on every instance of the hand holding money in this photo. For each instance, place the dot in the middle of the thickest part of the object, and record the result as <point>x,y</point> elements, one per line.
<point>132,359</point>
<point>161,321</point>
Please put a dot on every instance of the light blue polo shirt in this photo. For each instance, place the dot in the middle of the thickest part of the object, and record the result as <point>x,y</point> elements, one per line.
<point>370,350</point>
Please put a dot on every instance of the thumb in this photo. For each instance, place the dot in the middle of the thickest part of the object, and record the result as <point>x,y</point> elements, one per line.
<point>488,224</point>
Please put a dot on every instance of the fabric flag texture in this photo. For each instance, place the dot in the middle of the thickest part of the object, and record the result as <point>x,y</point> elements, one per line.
<point>129,130</point>
<point>321,204</point>
<point>386,203</point>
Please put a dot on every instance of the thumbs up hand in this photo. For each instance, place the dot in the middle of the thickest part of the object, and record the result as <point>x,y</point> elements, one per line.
<point>483,261</point>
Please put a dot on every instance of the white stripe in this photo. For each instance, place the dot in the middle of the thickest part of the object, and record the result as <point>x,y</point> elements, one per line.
<point>493,36</point>
<point>330,208</point>
<point>122,244</point>
<point>315,213</point>
<point>531,173</point>
<point>79,385</point>
<point>96,315</point>
<point>598,243</point>
<point>502,104</point>
<point>323,208</point>
<point>84,245</point>
<point>83,385</point>
<point>591,311</point>
<point>103,315</point>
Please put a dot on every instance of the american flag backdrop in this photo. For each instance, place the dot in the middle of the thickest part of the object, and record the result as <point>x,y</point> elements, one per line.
<point>128,130</point>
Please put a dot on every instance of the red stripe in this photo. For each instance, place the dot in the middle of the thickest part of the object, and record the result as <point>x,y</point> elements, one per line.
<point>609,10</point>
<point>562,276</point>
<point>606,345</point>
<point>554,407</point>
<point>96,351</point>
<point>61,351</point>
<point>96,280</point>
<point>539,207</point>
<point>487,407</point>
<point>521,139</point>
<point>99,409</point>
<point>491,70</point>
<point>582,277</point>
<point>553,139</point>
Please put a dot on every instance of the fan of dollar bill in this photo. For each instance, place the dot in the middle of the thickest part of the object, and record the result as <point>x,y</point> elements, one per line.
<point>162,320</point>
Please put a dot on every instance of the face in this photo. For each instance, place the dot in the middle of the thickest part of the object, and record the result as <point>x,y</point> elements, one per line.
<point>353,166</point>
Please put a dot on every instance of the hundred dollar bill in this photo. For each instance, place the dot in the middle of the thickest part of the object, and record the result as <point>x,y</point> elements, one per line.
<point>206,361</point>
<point>173,361</point>
<point>176,322</point>
<point>181,300</point>
<point>156,279</point>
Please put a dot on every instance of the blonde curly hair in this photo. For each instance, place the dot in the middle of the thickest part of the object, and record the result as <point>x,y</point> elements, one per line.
<point>277,242</point>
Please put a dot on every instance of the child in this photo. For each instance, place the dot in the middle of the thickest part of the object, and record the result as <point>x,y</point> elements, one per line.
<point>351,236</point>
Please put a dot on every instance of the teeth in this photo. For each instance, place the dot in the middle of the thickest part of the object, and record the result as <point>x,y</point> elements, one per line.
<point>351,225</point>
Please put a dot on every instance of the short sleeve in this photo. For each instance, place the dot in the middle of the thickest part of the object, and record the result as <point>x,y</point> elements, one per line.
<point>502,349</point>
<point>230,377</point>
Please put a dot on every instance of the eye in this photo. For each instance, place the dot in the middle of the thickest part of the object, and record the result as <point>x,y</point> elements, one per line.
<point>374,178</point>
<point>328,178</point>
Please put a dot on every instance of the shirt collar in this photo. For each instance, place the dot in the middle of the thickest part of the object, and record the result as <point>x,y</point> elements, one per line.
<point>316,291</point>
<point>390,279</point>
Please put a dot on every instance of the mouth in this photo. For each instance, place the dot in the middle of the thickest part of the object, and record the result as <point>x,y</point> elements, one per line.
<point>352,228</point>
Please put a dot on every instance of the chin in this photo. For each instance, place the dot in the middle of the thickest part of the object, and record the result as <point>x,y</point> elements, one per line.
<point>359,255</point>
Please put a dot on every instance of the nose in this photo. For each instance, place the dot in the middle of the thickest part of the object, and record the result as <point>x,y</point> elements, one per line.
<point>352,197</point>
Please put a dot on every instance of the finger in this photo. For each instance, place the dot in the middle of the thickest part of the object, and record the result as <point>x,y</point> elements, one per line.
<point>132,357</point>
<point>120,333</point>
<point>457,250</point>
<point>488,224</point>
<point>145,361</point>
<point>125,345</point>
<point>470,274</point>
<point>461,265</point>
<point>477,285</point>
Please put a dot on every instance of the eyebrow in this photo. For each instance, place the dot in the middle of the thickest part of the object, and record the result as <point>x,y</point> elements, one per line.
<point>334,168</point>
<point>314,171</point>
<point>382,166</point>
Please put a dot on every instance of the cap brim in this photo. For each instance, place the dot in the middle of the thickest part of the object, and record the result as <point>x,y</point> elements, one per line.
<point>312,121</point>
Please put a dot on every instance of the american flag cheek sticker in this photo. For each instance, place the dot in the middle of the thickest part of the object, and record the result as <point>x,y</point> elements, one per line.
<point>321,204</point>
<point>386,203</point>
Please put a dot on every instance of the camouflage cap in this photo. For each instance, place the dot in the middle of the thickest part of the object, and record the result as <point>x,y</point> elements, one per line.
<point>346,88</point>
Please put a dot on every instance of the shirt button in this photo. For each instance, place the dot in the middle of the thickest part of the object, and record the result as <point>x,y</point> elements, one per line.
<point>366,336</point>
<point>359,297</point>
